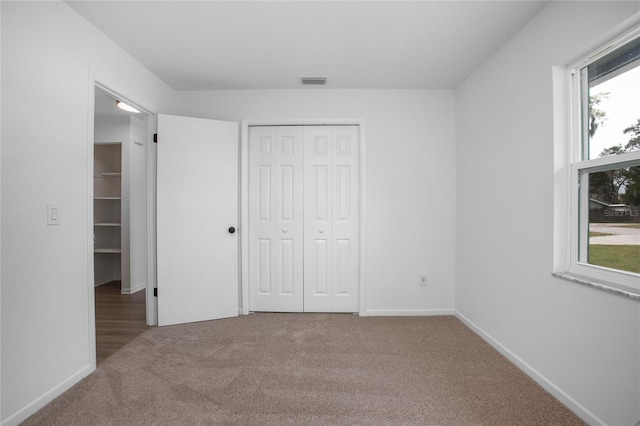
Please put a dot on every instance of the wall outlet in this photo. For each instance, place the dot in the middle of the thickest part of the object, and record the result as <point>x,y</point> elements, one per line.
<point>424,280</point>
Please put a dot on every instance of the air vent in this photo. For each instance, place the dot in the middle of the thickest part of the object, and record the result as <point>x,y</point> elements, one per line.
<point>314,81</point>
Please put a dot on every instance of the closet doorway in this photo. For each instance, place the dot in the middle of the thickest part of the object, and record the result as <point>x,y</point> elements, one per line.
<point>119,223</point>
<point>304,218</point>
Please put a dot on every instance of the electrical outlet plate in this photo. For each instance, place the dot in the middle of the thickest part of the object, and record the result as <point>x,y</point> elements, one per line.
<point>423,280</point>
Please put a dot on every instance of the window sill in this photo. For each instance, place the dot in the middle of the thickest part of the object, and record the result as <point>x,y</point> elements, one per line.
<point>629,292</point>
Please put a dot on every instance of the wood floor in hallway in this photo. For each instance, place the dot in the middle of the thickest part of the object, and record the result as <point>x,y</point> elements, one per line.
<point>120,318</point>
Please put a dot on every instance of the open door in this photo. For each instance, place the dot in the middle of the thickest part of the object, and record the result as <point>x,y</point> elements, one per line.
<point>197,213</point>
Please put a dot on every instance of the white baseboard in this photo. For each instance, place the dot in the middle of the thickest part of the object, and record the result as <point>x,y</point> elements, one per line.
<point>405,312</point>
<point>135,289</point>
<point>33,407</point>
<point>554,390</point>
<point>105,280</point>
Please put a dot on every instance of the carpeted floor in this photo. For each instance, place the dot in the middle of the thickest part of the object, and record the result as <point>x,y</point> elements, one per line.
<point>307,369</point>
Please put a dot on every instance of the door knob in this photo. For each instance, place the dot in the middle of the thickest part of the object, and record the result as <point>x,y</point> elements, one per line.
<point>285,230</point>
<point>232,230</point>
<point>322,231</point>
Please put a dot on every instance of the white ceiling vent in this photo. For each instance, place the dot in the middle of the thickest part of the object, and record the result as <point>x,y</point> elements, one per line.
<point>313,81</point>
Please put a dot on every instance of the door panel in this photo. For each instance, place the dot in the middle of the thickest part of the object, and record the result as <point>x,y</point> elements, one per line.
<point>264,193</point>
<point>319,269</point>
<point>318,248</point>
<point>346,219</point>
<point>343,267</point>
<point>331,259</point>
<point>288,266</point>
<point>319,195</point>
<point>275,215</point>
<point>197,190</point>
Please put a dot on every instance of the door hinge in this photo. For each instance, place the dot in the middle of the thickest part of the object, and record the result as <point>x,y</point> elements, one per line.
<point>155,292</point>
<point>155,137</point>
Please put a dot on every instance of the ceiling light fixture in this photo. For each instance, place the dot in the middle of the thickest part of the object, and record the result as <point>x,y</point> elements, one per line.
<point>126,107</point>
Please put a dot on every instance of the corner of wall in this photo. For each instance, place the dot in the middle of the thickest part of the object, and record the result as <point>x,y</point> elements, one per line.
<point>561,175</point>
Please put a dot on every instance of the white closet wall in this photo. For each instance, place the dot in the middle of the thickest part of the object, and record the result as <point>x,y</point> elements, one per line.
<point>111,258</point>
<point>107,212</point>
<point>125,258</point>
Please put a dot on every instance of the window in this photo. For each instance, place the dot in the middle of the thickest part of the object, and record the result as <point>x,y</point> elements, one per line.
<point>605,166</point>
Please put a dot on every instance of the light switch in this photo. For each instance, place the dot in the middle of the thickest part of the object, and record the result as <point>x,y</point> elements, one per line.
<point>138,139</point>
<point>53,214</point>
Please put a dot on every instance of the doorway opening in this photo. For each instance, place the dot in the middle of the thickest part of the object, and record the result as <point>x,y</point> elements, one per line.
<point>119,222</point>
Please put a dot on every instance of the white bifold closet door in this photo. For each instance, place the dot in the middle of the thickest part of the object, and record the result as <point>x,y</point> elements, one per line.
<point>275,219</point>
<point>331,218</point>
<point>304,218</point>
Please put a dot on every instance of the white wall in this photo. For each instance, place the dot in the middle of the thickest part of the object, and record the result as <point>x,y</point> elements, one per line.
<point>112,128</point>
<point>410,155</point>
<point>0,222</point>
<point>48,52</point>
<point>581,343</point>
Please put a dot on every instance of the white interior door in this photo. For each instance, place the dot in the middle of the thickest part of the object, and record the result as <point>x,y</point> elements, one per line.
<point>275,214</point>
<point>331,214</point>
<point>197,204</point>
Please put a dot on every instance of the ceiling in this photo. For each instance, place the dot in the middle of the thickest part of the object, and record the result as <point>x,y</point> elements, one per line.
<point>209,45</point>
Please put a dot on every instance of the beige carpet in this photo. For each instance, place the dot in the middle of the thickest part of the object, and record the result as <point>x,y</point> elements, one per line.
<point>307,369</point>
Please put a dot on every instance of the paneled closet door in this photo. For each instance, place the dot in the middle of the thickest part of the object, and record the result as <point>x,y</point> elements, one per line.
<point>331,215</point>
<point>276,219</point>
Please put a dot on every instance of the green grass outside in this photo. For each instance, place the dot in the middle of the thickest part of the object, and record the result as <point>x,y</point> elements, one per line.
<point>624,258</point>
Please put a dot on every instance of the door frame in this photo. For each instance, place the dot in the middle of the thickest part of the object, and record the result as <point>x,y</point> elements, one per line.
<point>244,198</point>
<point>151,307</point>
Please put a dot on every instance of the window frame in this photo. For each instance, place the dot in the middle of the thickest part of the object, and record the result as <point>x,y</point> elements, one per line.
<point>624,282</point>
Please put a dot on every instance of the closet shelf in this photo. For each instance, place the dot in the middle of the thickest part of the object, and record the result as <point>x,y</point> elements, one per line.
<point>103,175</point>
<point>107,198</point>
<point>106,224</point>
<point>108,250</point>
